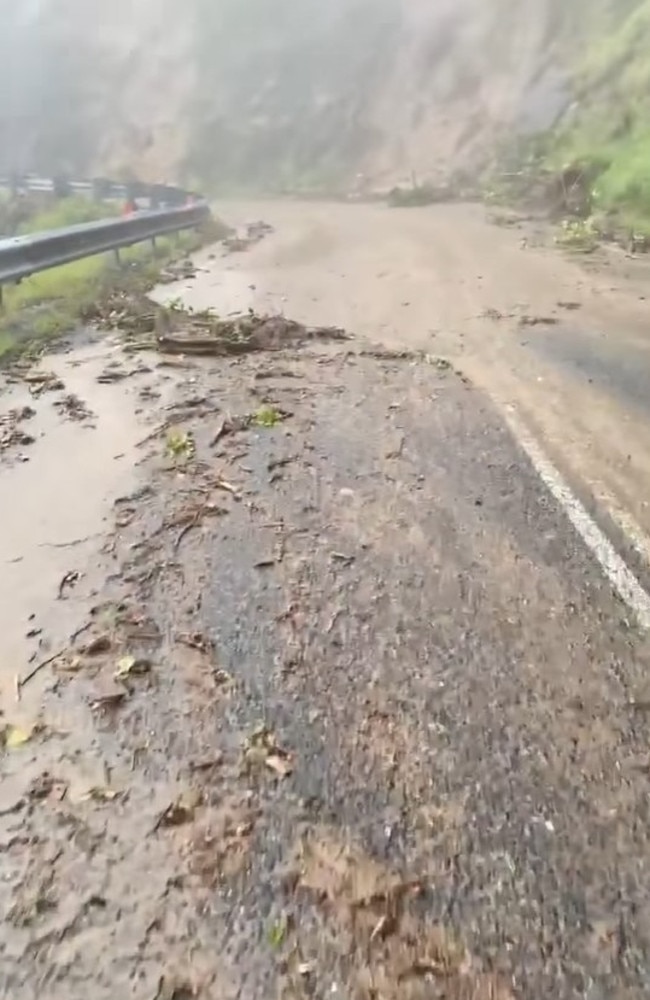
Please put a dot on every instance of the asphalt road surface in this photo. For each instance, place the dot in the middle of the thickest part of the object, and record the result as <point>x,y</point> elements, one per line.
<point>380,722</point>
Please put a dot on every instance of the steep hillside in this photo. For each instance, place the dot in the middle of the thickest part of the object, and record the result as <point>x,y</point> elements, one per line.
<point>89,86</point>
<point>607,130</point>
<point>301,94</point>
<point>286,88</point>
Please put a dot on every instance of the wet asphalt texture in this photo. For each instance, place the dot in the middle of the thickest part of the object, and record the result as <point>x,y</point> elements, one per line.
<point>378,640</point>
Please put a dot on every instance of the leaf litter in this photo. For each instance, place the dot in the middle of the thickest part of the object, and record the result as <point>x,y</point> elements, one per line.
<point>378,913</point>
<point>182,810</point>
<point>14,737</point>
<point>11,430</point>
<point>262,749</point>
<point>130,666</point>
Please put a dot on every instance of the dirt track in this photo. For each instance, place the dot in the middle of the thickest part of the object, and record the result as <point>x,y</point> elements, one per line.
<point>380,725</point>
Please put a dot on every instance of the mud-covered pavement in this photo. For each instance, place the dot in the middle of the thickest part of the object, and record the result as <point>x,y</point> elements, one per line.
<point>558,340</point>
<point>341,704</point>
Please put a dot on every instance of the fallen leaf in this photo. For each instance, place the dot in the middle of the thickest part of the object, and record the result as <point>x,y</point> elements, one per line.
<point>280,763</point>
<point>16,736</point>
<point>262,748</point>
<point>277,932</point>
<point>180,811</point>
<point>100,793</point>
<point>106,701</point>
<point>129,665</point>
<point>100,644</point>
<point>124,666</point>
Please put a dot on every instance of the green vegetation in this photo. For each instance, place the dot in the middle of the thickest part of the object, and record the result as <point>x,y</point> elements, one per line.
<point>580,235</point>
<point>607,133</point>
<point>50,304</point>
<point>66,212</point>
<point>267,416</point>
<point>179,445</point>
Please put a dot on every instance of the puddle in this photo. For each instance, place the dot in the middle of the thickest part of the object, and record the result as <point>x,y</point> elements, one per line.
<point>221,287</point>
<point>57,501</point>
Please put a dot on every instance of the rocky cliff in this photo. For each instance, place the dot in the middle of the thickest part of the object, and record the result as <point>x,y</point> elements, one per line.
<point>297,93</point>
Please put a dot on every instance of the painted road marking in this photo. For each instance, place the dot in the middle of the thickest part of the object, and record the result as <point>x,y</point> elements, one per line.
<point>613,566</point>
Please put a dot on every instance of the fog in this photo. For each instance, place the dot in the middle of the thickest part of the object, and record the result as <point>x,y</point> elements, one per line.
<point>283,94</point>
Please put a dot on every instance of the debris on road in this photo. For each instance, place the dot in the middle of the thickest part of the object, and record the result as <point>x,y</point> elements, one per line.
<point>370,575</point>
<point>252,233</point>
<point>68,580</point>
<point>131,666</point>
<point>13,737</point>
<point>74,408</point>
<point>11,431</point>
<point>182,270</point>
<point>538,320</point>
<point>40,382</point>
<point>182,810</point>
<point>262,748</point>
<point>205,334</point>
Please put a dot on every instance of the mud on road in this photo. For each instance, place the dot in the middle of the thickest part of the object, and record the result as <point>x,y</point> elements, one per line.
<point>338,703</point>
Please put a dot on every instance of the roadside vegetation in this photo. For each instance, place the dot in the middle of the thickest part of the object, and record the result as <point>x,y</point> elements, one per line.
<point>53,303</point>
<point>594,165</point>
<point>608,132</point>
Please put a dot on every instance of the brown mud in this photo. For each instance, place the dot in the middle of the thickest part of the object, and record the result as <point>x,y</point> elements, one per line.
<point>325,697</point>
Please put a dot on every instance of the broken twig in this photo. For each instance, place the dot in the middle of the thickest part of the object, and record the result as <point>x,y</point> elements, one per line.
<point>22,681</point>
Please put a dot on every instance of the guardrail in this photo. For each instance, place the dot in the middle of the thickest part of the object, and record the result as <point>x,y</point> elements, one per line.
<point>25,255</point>
<point>21,256</point>
<point>101,189</point>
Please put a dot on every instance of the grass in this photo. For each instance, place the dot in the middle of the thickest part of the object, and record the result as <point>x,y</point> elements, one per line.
<point>49,304</point>
<point>67,212</point>
<point>608,132</point>
<point>602,143</point>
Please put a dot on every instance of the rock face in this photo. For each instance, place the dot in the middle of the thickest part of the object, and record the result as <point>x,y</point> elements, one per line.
<point>283,95</point>
<point>96,86</point>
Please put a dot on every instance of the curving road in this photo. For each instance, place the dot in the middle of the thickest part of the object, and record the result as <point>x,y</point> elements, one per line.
<point>391,741</point>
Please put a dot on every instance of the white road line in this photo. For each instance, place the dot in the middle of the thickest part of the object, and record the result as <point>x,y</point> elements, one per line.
<point>637,538</point>
<point>615,569</point>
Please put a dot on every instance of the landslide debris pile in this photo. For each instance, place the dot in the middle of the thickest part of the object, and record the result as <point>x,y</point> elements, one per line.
<point>176,330</point>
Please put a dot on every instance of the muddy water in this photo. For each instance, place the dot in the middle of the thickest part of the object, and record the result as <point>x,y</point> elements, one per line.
<point>492,299</point>
<point>56,496</point>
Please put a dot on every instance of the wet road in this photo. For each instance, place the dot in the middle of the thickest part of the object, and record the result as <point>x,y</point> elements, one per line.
<point>392,741</point>
<point>445,281</point>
